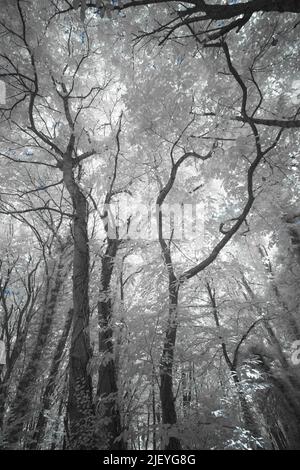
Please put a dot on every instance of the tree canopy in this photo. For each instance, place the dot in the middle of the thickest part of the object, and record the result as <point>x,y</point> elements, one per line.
<point>149,242</point>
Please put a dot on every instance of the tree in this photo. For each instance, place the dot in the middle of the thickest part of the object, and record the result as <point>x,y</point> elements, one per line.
<point>64,148</point>
<point>55,275</point>
<point>217,18</point>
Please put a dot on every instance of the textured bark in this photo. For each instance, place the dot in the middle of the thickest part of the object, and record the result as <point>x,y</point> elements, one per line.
<point>284,123</point>
<point>22,401</point>
<point>58,441</point>
<point>80,410</point>
<point>219,12</point>
<point>4,384</point>
<point>14,350</point>
<point>186,381</point>
<point>252,6</point>
<point>169,417</point>
<point>287,402</point>
<point>46,401</point>
<point>153,410</point>
<point>107,391</point>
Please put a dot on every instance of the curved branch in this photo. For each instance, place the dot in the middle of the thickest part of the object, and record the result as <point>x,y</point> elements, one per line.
<point>250,176</point>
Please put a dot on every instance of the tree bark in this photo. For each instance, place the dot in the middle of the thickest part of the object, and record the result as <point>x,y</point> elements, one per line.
<point>22,401</point>
<point>41,424</point>
<point>247,415</point>
<point>169,416</point>
<point>224,12</point>
<point>287,401</point>
<point>107,391</point>
<point>4,384</point>
<point>80,409</point>
<point>219,12</point>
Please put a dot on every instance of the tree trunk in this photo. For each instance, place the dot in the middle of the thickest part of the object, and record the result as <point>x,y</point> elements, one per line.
<point>109,421</point>
<point>80,410</point>
<point>169,416</point>
<point>22,401</point>
<point>4,384</point>
<point>153,409</point>
<point>13,357</point>
<point>41,424</point>
<point>248,418</point>
<point>287,402</point>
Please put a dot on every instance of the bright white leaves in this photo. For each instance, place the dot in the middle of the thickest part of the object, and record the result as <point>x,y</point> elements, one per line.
<point>2,353</point>
<point>105,8</point>
<point>296,92</point>
<point>2,92</point>
<point>295,358</point>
